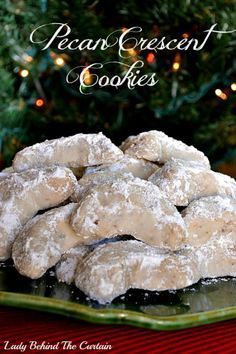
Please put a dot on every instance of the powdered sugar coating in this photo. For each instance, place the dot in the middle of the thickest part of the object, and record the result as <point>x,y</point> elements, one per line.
<point>134,207</point>
<point>157,146</point>
<point>7,170</point>
<point>69,262</point>
<point>217,257</point>
<point>113,268</point>
<point>22,195</point>
<point>74,151</point>
<point>91,180</point>
<point>43,240</point>
<point>183,182</point>
<point>137,167</point>
<point>113,202</point>
<point>210,207</point>
<point>209,217</point>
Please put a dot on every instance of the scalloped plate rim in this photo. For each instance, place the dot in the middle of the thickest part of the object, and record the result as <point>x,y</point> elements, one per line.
<point>114,316</point>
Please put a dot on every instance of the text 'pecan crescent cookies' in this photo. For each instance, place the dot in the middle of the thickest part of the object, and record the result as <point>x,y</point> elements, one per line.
<point>113,268</point>
<point>134,207</point>
<point>23,194</point>
<point>43,240</point>
<point>183,182</point>
<point>74,151</point>
<point>157,146</point>
<point>209,217</point>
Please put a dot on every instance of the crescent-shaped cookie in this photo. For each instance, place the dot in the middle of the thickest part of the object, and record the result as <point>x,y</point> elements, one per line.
<point>157,146</point>
<point>43,240</point>
<point>209,217</point>
<point>217,257</point>
<point>74,151</point>
<point>183,182</point>
<point>89,181</point>
<point>137,167</point>
<point>129,207</point>
<point>23,194</point>
<point>113,268</point>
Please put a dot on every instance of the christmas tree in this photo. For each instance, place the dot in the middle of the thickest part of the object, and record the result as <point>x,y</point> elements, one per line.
<point>193,101</point>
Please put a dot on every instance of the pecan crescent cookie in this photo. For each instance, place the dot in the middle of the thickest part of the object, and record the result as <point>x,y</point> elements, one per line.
<point>183,182</point>
<point>43,240</point>
<point>23,194</point>
<point>113,268</point>
<point>209,217</point>
<point>137,167</point>
<point>134,207</point>
<point>157,146</point>
<point>74,151</point>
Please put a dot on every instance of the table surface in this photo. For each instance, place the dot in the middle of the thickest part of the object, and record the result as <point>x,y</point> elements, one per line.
<point>18,326</point>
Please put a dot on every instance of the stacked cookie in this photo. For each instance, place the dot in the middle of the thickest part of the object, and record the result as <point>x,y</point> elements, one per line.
<point>97,193</point>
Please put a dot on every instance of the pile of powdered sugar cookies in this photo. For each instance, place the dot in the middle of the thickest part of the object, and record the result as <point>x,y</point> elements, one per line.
<point>181,214</point>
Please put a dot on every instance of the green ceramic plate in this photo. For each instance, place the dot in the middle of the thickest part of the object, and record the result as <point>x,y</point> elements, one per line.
<point>206,302</point>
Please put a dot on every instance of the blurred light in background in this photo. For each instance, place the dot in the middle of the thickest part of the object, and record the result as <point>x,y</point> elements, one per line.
<point>24,73</point>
